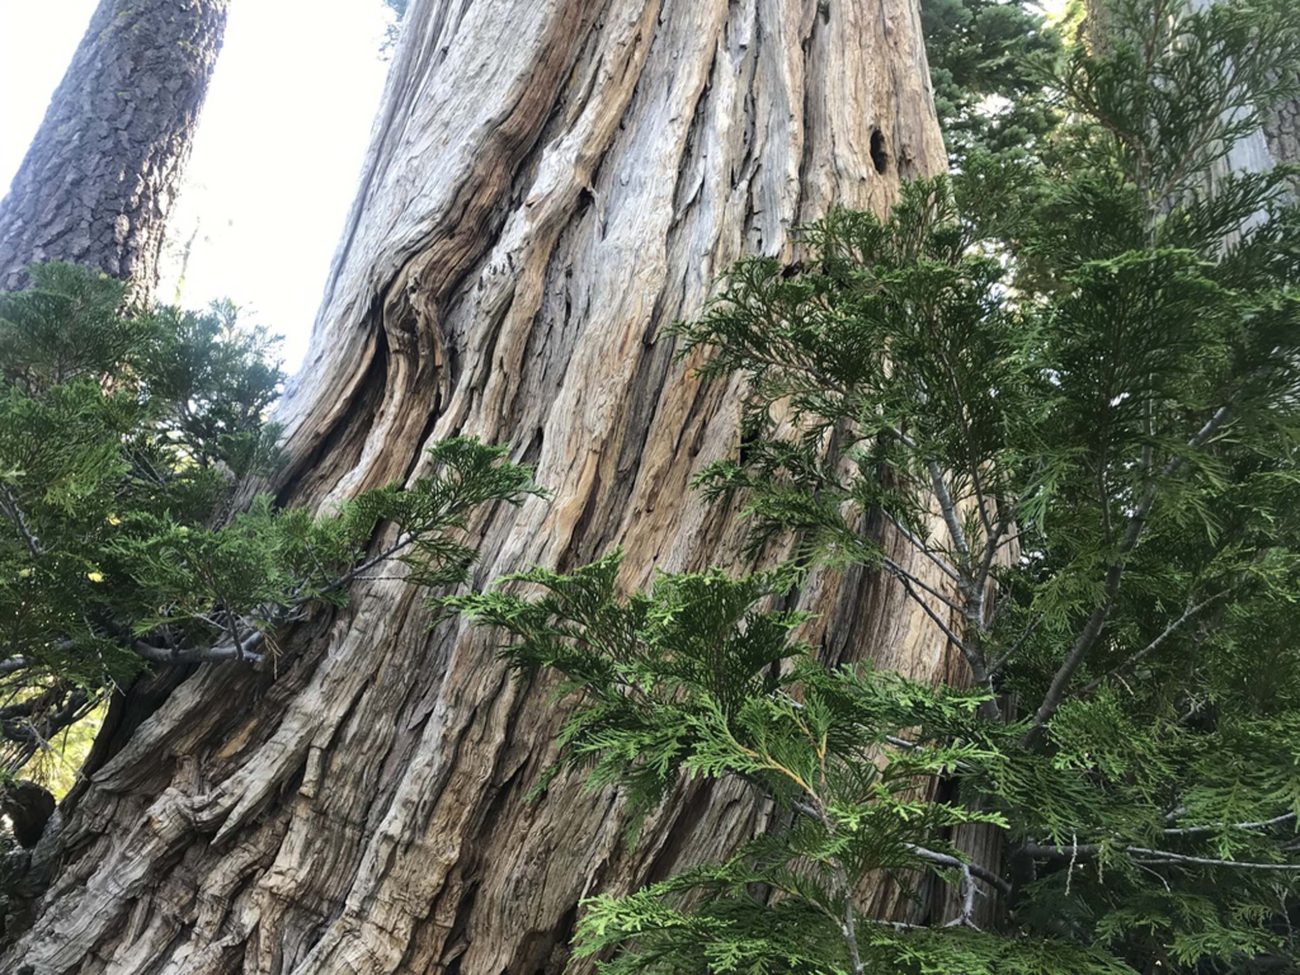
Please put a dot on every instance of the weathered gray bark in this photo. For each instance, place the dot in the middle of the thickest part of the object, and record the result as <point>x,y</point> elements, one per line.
<point>99,180</point>
<point>550,183</point>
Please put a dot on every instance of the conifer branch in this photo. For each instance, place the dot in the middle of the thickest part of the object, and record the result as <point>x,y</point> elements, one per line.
<point>1096,622</point>
<point>968,894</point>
<point>9,505</point>
<point>849,928</point>
<point>404,541</point>
<point>946,860</point>
<point>244,651</point>
<point>951,518</point>
<point>1151,647</point>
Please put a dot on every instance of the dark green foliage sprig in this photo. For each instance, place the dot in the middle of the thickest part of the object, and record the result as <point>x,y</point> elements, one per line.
<point>125,438</point>
<point>1148,91</point>
<point>1056,399</point>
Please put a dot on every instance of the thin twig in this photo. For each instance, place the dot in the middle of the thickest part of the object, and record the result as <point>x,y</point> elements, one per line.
<point>1151,857</point>
<point>1160,857</point>
<point>369,563</point>
<point>11,508</point>
<point>947,630</point>
<point>1003,660</point>
<point>1150,647</point>
<point>1097,619</point>
<point>922,547</point>
<point>1201,830</point>
<point>945,860</point>
<point>902,573</point>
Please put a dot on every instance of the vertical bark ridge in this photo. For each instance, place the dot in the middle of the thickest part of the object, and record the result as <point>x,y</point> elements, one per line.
<point>550,184</point>
<point>97,185</point>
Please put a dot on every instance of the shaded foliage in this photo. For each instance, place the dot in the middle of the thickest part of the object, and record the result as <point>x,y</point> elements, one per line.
<point>127,438</point>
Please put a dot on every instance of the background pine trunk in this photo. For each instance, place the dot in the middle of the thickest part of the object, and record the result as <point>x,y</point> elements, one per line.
<point>550,183</point>
<point>98,183</point>
<point>1283,132</point>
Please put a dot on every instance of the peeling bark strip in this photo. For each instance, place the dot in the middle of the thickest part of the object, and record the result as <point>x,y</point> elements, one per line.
<point>550,183</point>
<point>98,182</point>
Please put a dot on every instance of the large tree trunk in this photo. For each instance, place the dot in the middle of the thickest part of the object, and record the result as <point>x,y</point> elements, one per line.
<point>98,182</point>
<point>550,183</point>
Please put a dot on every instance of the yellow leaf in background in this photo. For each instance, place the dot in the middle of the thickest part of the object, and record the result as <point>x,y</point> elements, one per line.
<point>95,576</point>
<point>114,520</point>
<point>24,573</point>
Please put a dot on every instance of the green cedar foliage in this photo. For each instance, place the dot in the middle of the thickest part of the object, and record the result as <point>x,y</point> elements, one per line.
<point>1071,387</point>
<point>988,65</point>
<point>125,440</point>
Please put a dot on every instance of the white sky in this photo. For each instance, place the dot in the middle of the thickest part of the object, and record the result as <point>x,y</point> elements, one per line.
<point>277,154</point>
<point>278,151</point>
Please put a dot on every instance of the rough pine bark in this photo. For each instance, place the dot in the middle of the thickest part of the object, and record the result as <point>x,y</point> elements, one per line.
<point>1283,132</point>
<point>98,182</point>
<point>550,183</point>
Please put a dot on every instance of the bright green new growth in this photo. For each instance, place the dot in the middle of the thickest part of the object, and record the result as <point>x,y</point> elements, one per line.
<point>1071,387</point>
<point>126,439</point>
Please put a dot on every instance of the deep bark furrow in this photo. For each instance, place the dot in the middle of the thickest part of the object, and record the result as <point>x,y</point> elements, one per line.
<point>521,216</point>
<point>98,183</point>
